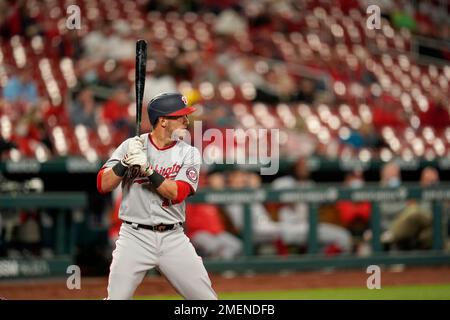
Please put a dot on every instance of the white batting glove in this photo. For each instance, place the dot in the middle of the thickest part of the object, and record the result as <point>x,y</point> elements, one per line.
<point>137,159</point>
<point>124,160</point>
<point>140,159</point>
<point>135,145</point>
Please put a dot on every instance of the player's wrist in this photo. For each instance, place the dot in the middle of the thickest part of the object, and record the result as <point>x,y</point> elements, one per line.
<point>120,169</point>
<point>156,179</point>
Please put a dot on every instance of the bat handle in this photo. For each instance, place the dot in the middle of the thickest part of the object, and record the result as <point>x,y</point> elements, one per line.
<point>138,122</point>
<point>133,172</point>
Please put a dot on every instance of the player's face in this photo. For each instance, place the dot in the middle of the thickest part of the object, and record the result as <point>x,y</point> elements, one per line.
<point>176,123</point>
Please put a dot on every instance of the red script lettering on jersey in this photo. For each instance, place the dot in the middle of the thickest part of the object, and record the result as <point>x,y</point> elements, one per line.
<point>168,173</point>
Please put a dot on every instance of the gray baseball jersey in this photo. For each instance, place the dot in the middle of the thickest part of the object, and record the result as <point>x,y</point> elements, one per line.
<point>140,201</point>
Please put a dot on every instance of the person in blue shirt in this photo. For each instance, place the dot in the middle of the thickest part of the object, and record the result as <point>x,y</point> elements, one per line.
<point>21,88</point>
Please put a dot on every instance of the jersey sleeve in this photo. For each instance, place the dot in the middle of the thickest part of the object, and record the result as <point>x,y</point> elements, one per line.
<point>190,170</point>
<point>117,155</point>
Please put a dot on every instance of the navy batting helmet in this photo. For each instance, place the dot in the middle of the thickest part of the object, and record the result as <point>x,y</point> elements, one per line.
<point>168,104</point>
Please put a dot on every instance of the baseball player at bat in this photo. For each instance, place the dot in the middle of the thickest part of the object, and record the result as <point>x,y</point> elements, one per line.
<point>153,204</point>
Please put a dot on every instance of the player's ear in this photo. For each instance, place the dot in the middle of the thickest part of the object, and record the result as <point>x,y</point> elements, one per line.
<point>162,122</point>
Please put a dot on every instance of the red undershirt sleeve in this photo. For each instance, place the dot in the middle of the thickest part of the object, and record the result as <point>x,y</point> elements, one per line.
<point>184,189</point>
<point>99,180</point>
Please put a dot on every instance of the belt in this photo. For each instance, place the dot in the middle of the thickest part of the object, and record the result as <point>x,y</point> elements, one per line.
<point>159,227</point>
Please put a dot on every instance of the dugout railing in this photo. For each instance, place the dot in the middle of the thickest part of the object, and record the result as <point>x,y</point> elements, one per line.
<point>323,194</point>
<point>63,204</point>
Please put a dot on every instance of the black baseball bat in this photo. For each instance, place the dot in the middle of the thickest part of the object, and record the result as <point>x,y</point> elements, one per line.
<point>141,64</point>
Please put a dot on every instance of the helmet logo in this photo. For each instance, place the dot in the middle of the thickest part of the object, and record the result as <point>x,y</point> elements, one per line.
<point>184,100</point>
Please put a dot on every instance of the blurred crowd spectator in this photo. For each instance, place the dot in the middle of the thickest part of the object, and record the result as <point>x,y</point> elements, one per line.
<point>412,228</point>
<point>332,237</point>
<point>354,216</point>
<point>83,109</point>
<point>207,228</point>
<point>405,225</point>
<point>21,88</point>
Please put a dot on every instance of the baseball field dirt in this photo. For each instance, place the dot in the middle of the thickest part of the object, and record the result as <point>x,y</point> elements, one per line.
<point>95,288</point>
